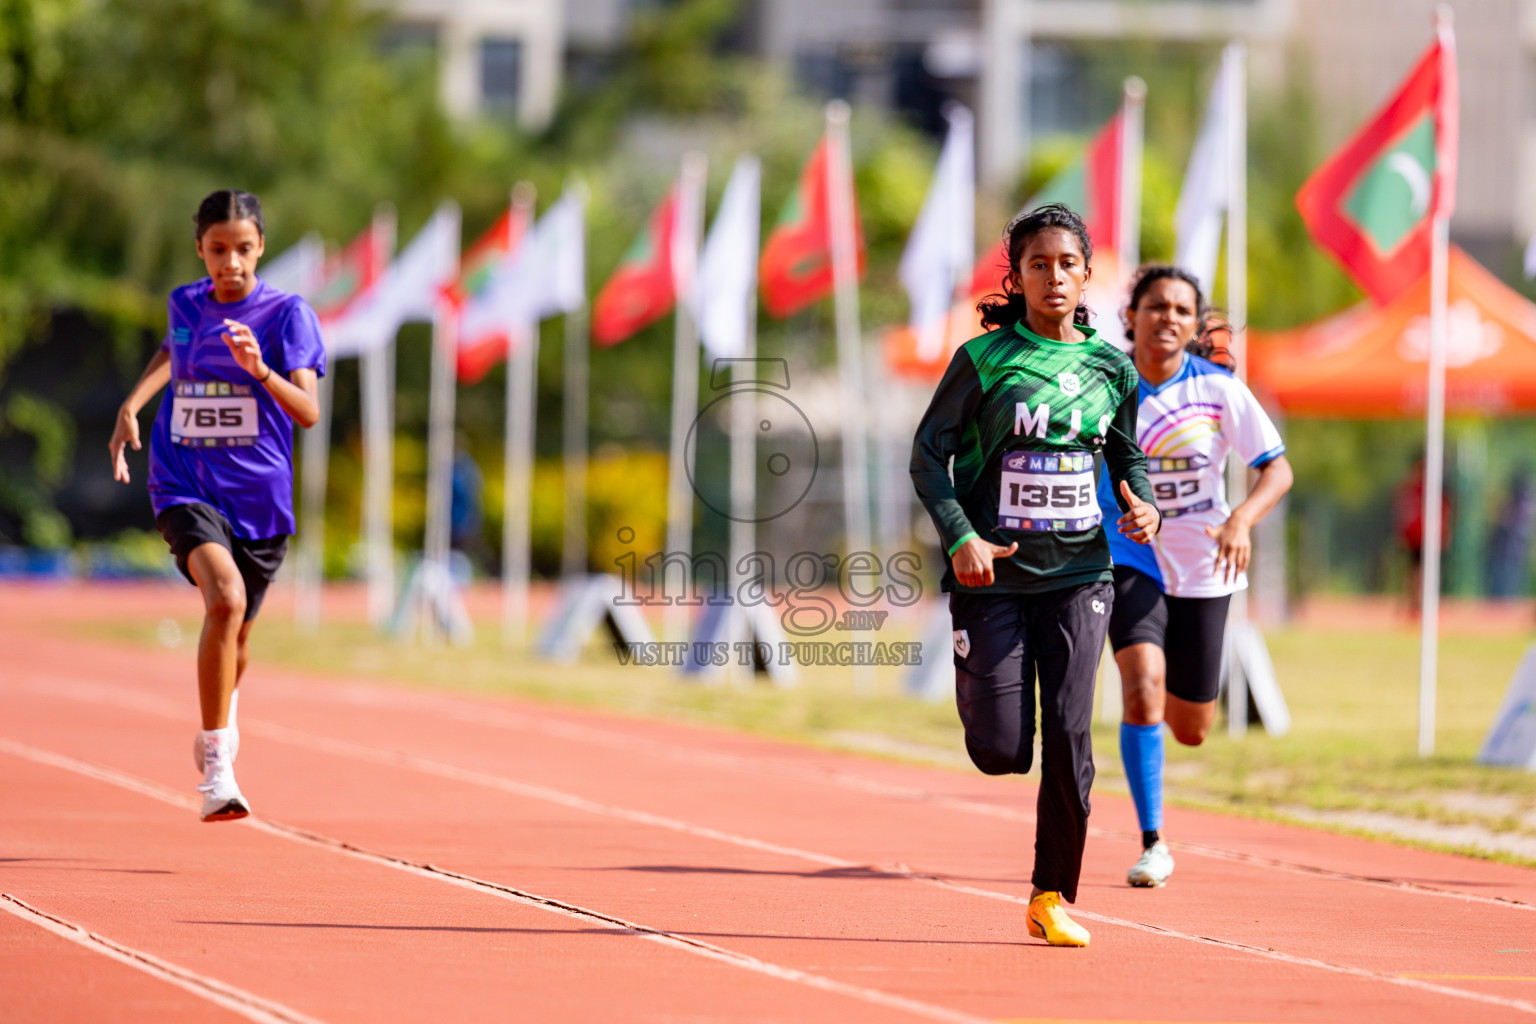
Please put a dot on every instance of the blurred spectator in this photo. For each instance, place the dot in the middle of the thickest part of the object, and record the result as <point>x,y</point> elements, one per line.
<point>1408,510</point>
<point>466,518</point>
<point>1509,545</point>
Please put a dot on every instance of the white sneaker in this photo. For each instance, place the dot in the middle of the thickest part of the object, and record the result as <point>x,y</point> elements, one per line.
<point>1154,867</point>
<point>222,799</point>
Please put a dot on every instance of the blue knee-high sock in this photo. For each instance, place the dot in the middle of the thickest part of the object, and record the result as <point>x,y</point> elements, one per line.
<point>1141,749</point>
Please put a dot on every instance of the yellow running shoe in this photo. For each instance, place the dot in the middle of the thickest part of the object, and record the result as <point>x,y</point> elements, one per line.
<point>1048,921</point>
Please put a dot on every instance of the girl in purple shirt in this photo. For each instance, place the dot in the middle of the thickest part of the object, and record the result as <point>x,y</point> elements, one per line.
<point>242,359</point>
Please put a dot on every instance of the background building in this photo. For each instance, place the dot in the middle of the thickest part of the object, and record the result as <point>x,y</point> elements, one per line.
<point>1028,67</point>
<point>495,57</point>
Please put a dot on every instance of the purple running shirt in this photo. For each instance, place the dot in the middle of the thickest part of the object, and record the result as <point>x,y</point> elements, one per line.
<point>220,438</point>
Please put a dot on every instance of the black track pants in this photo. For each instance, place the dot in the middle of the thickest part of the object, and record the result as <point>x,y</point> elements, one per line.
<point>1003,643</point>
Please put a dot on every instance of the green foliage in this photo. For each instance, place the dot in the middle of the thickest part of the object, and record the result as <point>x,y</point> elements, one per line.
<point>116,116</point>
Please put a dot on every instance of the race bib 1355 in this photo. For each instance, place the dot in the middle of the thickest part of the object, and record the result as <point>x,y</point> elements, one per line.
<point>1047,491</point>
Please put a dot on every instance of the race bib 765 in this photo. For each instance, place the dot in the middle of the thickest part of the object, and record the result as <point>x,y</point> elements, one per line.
<point>213,414</point>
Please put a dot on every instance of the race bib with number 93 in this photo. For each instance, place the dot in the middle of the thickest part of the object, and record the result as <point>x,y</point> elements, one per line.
<point>1182,485</point>
<point>213,414</point>
<point>1047,491</point>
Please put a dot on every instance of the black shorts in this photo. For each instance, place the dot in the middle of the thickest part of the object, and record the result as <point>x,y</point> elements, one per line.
<point>187,527</point>
<point>1190,630</point>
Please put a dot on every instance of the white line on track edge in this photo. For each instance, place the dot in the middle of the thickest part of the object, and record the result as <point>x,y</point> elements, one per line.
<point>303,836</point>
<point>236,1000</point>
<point>1268,954</point>
<point>362,694</point>
<point>341,747</point>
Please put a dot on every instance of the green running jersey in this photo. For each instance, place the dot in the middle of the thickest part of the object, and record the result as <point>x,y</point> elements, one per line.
<point>1022,417</point>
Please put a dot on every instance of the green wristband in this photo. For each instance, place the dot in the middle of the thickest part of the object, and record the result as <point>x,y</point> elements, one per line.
<point>961,542</point>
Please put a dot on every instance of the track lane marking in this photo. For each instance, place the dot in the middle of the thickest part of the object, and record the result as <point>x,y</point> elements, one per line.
<point>236,1000</point>
<point>539,792</point>
<point>1405,980</point>
<point>1472,977</point>
<point>372,695</point>
<point>671,940</point>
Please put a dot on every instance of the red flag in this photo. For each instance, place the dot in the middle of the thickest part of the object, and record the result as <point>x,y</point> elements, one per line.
<point>796,266</point>
<point>477,354</point>
<point>642,289</point>
<point>1372,202</point>
<point>1090,186</point>
<point>349,272</point>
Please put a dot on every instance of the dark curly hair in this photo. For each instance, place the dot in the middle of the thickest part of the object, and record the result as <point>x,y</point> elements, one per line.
<point>1007,307</point>
<point>1211,323</point>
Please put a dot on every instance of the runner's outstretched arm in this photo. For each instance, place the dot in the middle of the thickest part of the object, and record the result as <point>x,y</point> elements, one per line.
<point>1234,546</point>
<point>126,432</point>
<point>1127,467</point>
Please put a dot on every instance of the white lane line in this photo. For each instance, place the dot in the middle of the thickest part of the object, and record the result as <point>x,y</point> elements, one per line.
<point>543,793</point>
<point>372,696</point>
<point>528,790</point>
<point>1405,981</point>
<point>236,1000</point>
<point>618,925</point>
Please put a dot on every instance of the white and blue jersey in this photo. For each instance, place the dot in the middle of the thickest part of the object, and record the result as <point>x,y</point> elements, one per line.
<point>1187,425</point>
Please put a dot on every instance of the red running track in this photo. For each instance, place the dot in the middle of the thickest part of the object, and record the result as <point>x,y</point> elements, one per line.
<point>426,857</point>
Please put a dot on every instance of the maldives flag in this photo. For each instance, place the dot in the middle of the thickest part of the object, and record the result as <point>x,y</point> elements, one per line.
<point>1372,202</point>
<point>642,289</point>
<point>796,265</point>
<point>1090,186</point>
<point>346,274</point>
<point>481,350</point>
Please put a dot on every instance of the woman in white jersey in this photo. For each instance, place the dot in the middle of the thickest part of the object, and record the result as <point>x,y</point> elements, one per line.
<point>1171,598</point>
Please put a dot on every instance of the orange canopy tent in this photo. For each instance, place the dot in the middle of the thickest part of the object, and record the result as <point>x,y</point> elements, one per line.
<point>1371,362</point>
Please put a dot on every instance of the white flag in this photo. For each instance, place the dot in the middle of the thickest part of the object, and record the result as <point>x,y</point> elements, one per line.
<point>725,284</point>
<point>942,247</point>
<point>297,268</point>
<point>1207,189</point>
<point>542,276</point>
<point>559,249</point>
<point>408,291</point>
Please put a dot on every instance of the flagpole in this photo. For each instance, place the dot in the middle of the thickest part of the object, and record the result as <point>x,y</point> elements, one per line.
<point>744,429</point>
<point>845,297</point>
<point>573,552</point>
<point>436,589</point>
<point>376,380</point>
<point>574,411</point>
<point>1133,104</point>
<point>314,458</point>
<point>316,461</point>
<point>1236,57</point>
<point>517,449</point>
<point>1434,412</point>
<point>685,389</point>
<point>1434,456</point>
<point>1234,73</point>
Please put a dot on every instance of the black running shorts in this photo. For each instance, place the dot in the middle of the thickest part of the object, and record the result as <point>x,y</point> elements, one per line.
<point>187,527</point>
<point>1190,631</point>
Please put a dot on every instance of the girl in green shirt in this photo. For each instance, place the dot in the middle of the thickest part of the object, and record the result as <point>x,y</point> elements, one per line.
<point>1022,411</point>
